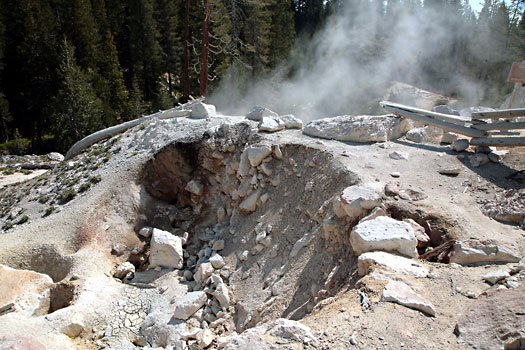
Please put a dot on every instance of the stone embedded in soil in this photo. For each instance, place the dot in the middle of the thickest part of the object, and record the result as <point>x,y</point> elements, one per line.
<point>246,340</point>
<point>74,328</point>
<point>395,263</point>
<point>256,154</point>
<point>450,171</point>
<point>473,252</point>
<point>250,203</point>
<point>204,338</point>
<point>495,320</point>
<point>375,213</point>
<point>186,306</point>
<point>194,187</point>
<point>400,293</point>
<point>145,232</point>
<point>397,155</point>
<point>494,277</point>
<point>290,329</point>
<point>218,245</point>
<point>20,342</point>
<point>422,238</point>
<point>203,271</point>
<point>449,138</point>
<point>271,124</point>
<point>166,250</point>
<point>384,234</point>
<point>356,200</point>
<point>222,295</point>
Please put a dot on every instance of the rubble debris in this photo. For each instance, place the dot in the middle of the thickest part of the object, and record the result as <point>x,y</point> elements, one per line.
<point>166,250</point>
<point>291,122</point>
<point>186,306</point>
<point>271,124</point>
<point>367,262</point>
<point>473,252</point>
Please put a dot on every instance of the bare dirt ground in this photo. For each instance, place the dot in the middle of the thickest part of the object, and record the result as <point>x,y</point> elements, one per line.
<point>137,179</point>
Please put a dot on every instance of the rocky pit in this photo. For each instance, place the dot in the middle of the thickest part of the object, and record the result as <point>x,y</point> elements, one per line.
<point>211,234</point>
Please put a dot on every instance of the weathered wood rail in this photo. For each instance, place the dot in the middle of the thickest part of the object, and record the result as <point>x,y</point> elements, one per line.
<point>481,132</point>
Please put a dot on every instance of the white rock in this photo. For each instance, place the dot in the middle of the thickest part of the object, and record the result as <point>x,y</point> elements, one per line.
<point>400,293</point>
<point>278,154</point>
<point>222,295</point>
<point>124,269</point>
<point>356,200</point>
<point>218,245</point>
<point>449,138</point>
<point>202,111</point>
<point>258,112</point>
<point>161,332</point>
<point>385,234</point>
<point>244,255</point>
<point>291,122</point>
<point>398,264</point>
<point>301,243</point>
<point>186,306</point>
<point>477,252</point>
<point>497,156</point>
<point>217,261</point>
<point>194,187</point>
<point>166,250</point>
<point>256,154</point>
<point>415,135</point>
<point>359,128</point>
<point>250,203</point>
<point>376,212</point>
<point>145,231</point>
<point>290,329</point>
<point>494,277</point>
<point>271,124</point>
<point>460,145</point>
<point>204,338</point>
<point>244,164</point>
<point>203,271</point>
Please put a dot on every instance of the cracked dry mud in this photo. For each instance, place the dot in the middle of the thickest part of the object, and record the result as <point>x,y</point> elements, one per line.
<point>286,253</point>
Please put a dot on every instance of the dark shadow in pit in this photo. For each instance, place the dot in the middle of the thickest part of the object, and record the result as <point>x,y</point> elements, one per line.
<point>62,295</point>
<point>499,174</point>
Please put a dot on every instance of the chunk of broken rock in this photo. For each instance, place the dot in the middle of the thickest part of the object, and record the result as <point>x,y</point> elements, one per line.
<point>384,234</point>
<point>460,145</point>
<point>256,154</point>
<point>186,306</point>
<point>494,277</point>
<point>290,329</point>
<point>356,200</point>
<point>479,159</point>
<point>271,124</point>
<point>368,261</point>
<point>257,113</point>
<point>202,111</point>
<point>291,122</point>
<point>474,252</point>
<point>20,342</point>
<point>124,269</point>
<point>400,293</point>
<point>166,250</point>
<point>203,271</point>
<point>217,261</point>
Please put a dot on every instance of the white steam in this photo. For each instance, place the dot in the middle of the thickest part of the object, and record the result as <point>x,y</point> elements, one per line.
<point>347,67</point>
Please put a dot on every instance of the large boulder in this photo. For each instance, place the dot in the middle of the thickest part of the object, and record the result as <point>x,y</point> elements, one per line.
<point>384,234</point>
<point>359,128</point>
<point>271,124</point>
<point>166,250</point>
<point>186,306</point>
<point>495,321</point>
<point>160,331</point>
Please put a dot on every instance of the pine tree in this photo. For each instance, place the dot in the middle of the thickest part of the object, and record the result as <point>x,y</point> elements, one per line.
<point>4,105</point>
<point>257,36</point>
<point>282,33</point>
<point>77,110</point>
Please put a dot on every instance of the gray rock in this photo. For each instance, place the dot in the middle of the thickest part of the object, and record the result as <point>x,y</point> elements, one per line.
<point>186,306</point>
<point>124,269</point>
<point>245,341</point>
<point>479,159</point>
<point>203,271</point>
<point>400,293</point>
<point>358,128</point>
<point>271,124</point>
<point>256,154</point>
<point>257,113</point>
<point>166,250</point>
<point>291,122</point>
<point>290,329</point>
<point>384,234</point>
<point>449,138</point>
<point>444,109</point>
<point>460,145</point>
<point>145,232</point>
<point>357,200</point>
<point>160,331</point>
<point>222,294</point>
<point>194,187</point>
<point>218,245</point>
<point>217,261</point>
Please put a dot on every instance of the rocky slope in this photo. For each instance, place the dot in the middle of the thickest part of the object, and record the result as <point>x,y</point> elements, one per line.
<point>245,233</point>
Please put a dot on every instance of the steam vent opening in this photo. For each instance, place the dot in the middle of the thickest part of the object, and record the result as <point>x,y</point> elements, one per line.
<point>264,209</point>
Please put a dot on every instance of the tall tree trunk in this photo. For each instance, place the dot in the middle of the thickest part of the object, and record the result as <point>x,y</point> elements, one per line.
<point>187,52</point>
<point>205,45</point>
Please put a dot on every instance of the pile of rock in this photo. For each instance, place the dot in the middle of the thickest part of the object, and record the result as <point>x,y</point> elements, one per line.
<point>270,121</point>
